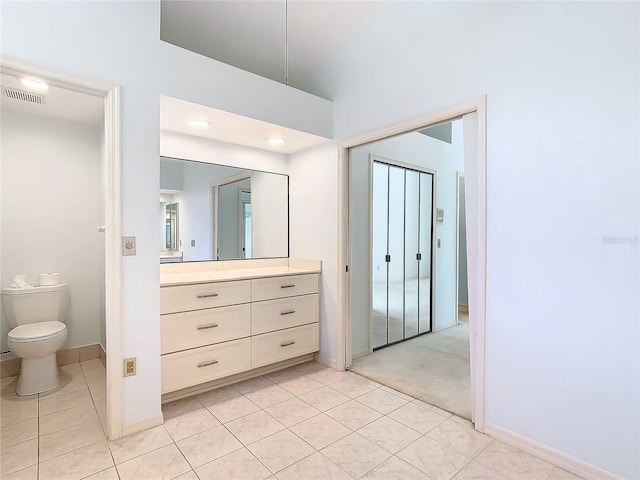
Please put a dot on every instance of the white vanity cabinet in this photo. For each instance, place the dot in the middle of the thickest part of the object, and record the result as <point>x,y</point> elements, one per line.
<point>233,322</point>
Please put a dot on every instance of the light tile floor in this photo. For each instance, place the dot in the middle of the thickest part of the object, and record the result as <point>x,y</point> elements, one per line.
<point>304,423</point>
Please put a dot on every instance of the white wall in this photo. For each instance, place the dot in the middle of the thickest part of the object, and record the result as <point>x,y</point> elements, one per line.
<point>561,80</point>
<point>313,194</point>
<point>51,175</point>
<point>422,151</point>
<point>269,220</point>
<point>118,43</point>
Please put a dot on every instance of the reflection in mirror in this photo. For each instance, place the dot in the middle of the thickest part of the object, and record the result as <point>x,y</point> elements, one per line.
<point>171,241</point>
<point>231,231</point>
<point>224,212</point>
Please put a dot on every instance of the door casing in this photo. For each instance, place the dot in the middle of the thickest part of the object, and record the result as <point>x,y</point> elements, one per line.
<point>477,238</point>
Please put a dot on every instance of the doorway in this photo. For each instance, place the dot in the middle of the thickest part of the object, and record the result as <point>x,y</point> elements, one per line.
<point>413,204</point>
<point>402,230</point>
<point>473,115</point>
<point>104,227</point>
<point>231,200</point>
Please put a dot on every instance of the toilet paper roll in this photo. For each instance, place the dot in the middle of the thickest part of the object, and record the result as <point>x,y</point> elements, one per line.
<point>49,279</point>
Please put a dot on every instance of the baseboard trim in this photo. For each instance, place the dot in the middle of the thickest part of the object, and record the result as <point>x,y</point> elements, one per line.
<point>444,327</point>
<point>103,355</point>
<point>135,427</point>
<point>362,353</point>
<point>548,454</point>
<point>328,362</point>
<point>10,364</point>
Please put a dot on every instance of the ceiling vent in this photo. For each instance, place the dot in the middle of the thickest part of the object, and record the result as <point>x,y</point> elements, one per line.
<point>22,95</point>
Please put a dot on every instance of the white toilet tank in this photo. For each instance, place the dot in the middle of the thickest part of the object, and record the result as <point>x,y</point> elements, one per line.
<point>36,304</point>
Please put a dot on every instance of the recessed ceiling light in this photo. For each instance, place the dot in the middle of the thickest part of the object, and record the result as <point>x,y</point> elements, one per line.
<point>35,84</point>
<point>275,140</point>
<point>199,123</point>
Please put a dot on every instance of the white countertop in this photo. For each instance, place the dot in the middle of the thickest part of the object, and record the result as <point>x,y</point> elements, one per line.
<point>188,278</point>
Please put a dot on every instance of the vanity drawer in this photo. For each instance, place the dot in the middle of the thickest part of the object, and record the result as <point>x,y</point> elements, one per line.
<point>289,312</point>
<point>204,295</point>
<point>280,287</point>
<point>283,344</point>
<point>180,331</point>
<point>199,365</point>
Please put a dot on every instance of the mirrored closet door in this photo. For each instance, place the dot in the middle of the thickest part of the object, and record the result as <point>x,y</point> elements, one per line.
<point>402,252</point>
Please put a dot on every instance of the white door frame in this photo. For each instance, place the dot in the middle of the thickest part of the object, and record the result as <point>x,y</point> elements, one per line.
<point>459,176</point>
<point>215,191</point>
<point>113,221</point>
<point>477,317</point>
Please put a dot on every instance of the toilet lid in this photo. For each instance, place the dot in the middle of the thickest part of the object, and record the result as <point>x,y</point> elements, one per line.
<point>37,331</point>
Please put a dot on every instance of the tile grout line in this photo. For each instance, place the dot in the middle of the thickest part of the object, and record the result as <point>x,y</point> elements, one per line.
<point>181,453</point>
<point>446,417</point>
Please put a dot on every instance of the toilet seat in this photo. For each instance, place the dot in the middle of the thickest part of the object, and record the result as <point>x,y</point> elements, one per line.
<point>33,332</point>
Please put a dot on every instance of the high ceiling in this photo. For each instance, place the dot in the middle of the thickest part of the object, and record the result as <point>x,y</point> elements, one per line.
<point>286,41</point>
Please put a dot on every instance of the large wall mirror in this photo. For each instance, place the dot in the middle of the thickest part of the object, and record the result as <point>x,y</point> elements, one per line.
<point>216,212</point>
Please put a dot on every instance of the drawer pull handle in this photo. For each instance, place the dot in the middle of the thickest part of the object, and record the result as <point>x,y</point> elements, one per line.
<point>286,344</point>
<point>206,364</point>
<point>288,313</point>
<point>208,295</point>
<point>205,327</point>
<point>288,286</point>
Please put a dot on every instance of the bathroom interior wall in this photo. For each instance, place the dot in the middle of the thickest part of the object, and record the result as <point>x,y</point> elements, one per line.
<point>421,151</point>
<point>52,203</point>
<point>103,206</point>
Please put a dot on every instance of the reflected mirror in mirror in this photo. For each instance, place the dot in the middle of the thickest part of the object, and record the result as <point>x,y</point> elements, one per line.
<point>221,212</point>
<point>171,228</point>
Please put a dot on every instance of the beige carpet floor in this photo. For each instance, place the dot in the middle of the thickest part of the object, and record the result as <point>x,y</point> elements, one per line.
<point>433,368</point>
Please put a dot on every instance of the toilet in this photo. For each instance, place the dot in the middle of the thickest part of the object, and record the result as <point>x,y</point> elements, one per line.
<point>35,316</point>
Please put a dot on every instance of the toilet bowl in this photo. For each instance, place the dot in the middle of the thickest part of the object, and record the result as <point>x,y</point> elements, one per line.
<point>36,315</point>
<point>36,344</point>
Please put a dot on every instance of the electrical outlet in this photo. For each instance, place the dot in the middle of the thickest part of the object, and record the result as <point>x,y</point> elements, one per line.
<point>128,246</point>
<point>129,367</point>
<point>193,243</point>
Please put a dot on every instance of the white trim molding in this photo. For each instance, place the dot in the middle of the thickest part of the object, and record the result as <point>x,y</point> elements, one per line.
<point>145,424</point>
<point>548,454</point>
<point>113,263</point>
<point>328,362</point>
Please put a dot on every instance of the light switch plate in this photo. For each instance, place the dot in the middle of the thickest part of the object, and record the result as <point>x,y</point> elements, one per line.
<point>128,246</point>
